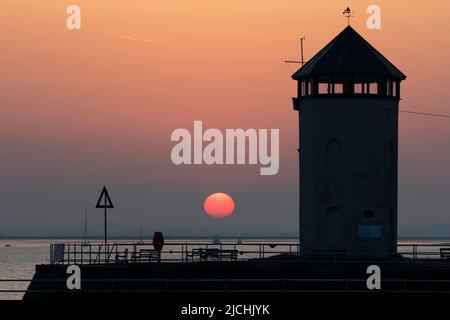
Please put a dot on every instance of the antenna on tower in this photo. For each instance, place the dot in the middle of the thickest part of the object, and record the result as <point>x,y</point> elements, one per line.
<point>348,14</point>
<point>301,51</point>
<point>302,61</point>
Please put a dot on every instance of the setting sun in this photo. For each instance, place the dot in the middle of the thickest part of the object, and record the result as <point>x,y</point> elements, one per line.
<point>219,205</point>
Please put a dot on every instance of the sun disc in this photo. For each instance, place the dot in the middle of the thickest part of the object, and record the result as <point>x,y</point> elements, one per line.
<point>219,205</point>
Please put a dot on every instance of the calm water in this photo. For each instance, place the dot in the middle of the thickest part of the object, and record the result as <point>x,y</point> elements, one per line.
<point>18,261</point>
<point>19,257</point>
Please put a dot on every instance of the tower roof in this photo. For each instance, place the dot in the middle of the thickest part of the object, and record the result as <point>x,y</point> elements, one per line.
<point>348,54</point>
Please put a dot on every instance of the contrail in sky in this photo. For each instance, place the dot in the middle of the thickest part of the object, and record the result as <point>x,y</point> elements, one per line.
<point>134,39</point>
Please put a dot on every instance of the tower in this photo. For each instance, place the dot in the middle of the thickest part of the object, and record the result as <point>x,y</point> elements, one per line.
<point>348,100</point>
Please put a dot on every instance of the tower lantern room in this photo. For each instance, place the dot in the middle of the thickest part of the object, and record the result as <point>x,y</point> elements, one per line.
<point>347,99</point>
<point>348,66</point>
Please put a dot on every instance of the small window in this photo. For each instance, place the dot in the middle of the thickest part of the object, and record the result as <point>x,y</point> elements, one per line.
<point>369,214</point>
<point>324,88</point>
<point>303,88</point>
<point>394,88</point>
<point>373,88</point>
<point>369,231</point>
<point>338,88</point>
<point>358,88</point>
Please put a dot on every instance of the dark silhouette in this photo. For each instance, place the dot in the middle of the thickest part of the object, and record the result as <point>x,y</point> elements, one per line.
<point>348,97</point>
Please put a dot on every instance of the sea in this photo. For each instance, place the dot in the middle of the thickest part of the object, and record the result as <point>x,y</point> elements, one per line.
<point>18,257</point>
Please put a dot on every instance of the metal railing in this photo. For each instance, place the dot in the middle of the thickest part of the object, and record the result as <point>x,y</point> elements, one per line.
<point>131,252</point>
<point>185,252</point>
<point>138,252</point>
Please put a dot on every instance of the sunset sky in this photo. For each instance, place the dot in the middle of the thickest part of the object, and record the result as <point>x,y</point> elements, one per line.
<point>85,108</point>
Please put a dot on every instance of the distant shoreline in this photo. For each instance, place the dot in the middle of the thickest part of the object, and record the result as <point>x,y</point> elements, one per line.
<point>203,237</point>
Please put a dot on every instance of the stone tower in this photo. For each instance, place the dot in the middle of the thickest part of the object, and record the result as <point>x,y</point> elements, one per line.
<point>348,100</point>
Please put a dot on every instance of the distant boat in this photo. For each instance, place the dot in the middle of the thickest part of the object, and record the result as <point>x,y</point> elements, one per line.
<point>141,235</point>
<point>85,232</point>
<point>216,240</point>
<point>7,245</point>
<point>239,241</point>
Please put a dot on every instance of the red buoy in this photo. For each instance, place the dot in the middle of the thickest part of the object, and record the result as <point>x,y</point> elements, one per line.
<point>158,241</point>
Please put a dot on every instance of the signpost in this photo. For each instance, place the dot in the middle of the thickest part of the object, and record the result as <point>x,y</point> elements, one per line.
<point>104,201</point>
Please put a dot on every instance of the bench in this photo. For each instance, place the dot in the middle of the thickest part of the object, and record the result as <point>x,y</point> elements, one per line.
<point>203,254</point>
<point>445,253</point>
<point>146,255</point>
<point>228,254</point>
<point>214,254</point>
<point>122,257</point>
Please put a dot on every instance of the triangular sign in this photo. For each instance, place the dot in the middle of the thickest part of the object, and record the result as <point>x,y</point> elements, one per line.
<point>104,201</point>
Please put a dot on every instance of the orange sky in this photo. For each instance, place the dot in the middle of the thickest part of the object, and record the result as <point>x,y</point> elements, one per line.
<point>92,107</point>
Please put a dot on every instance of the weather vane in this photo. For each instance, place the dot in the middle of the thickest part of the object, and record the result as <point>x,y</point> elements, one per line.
<point>348,14</point>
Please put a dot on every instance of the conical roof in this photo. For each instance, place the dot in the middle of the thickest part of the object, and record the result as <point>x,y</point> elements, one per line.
<point>348,54</point>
